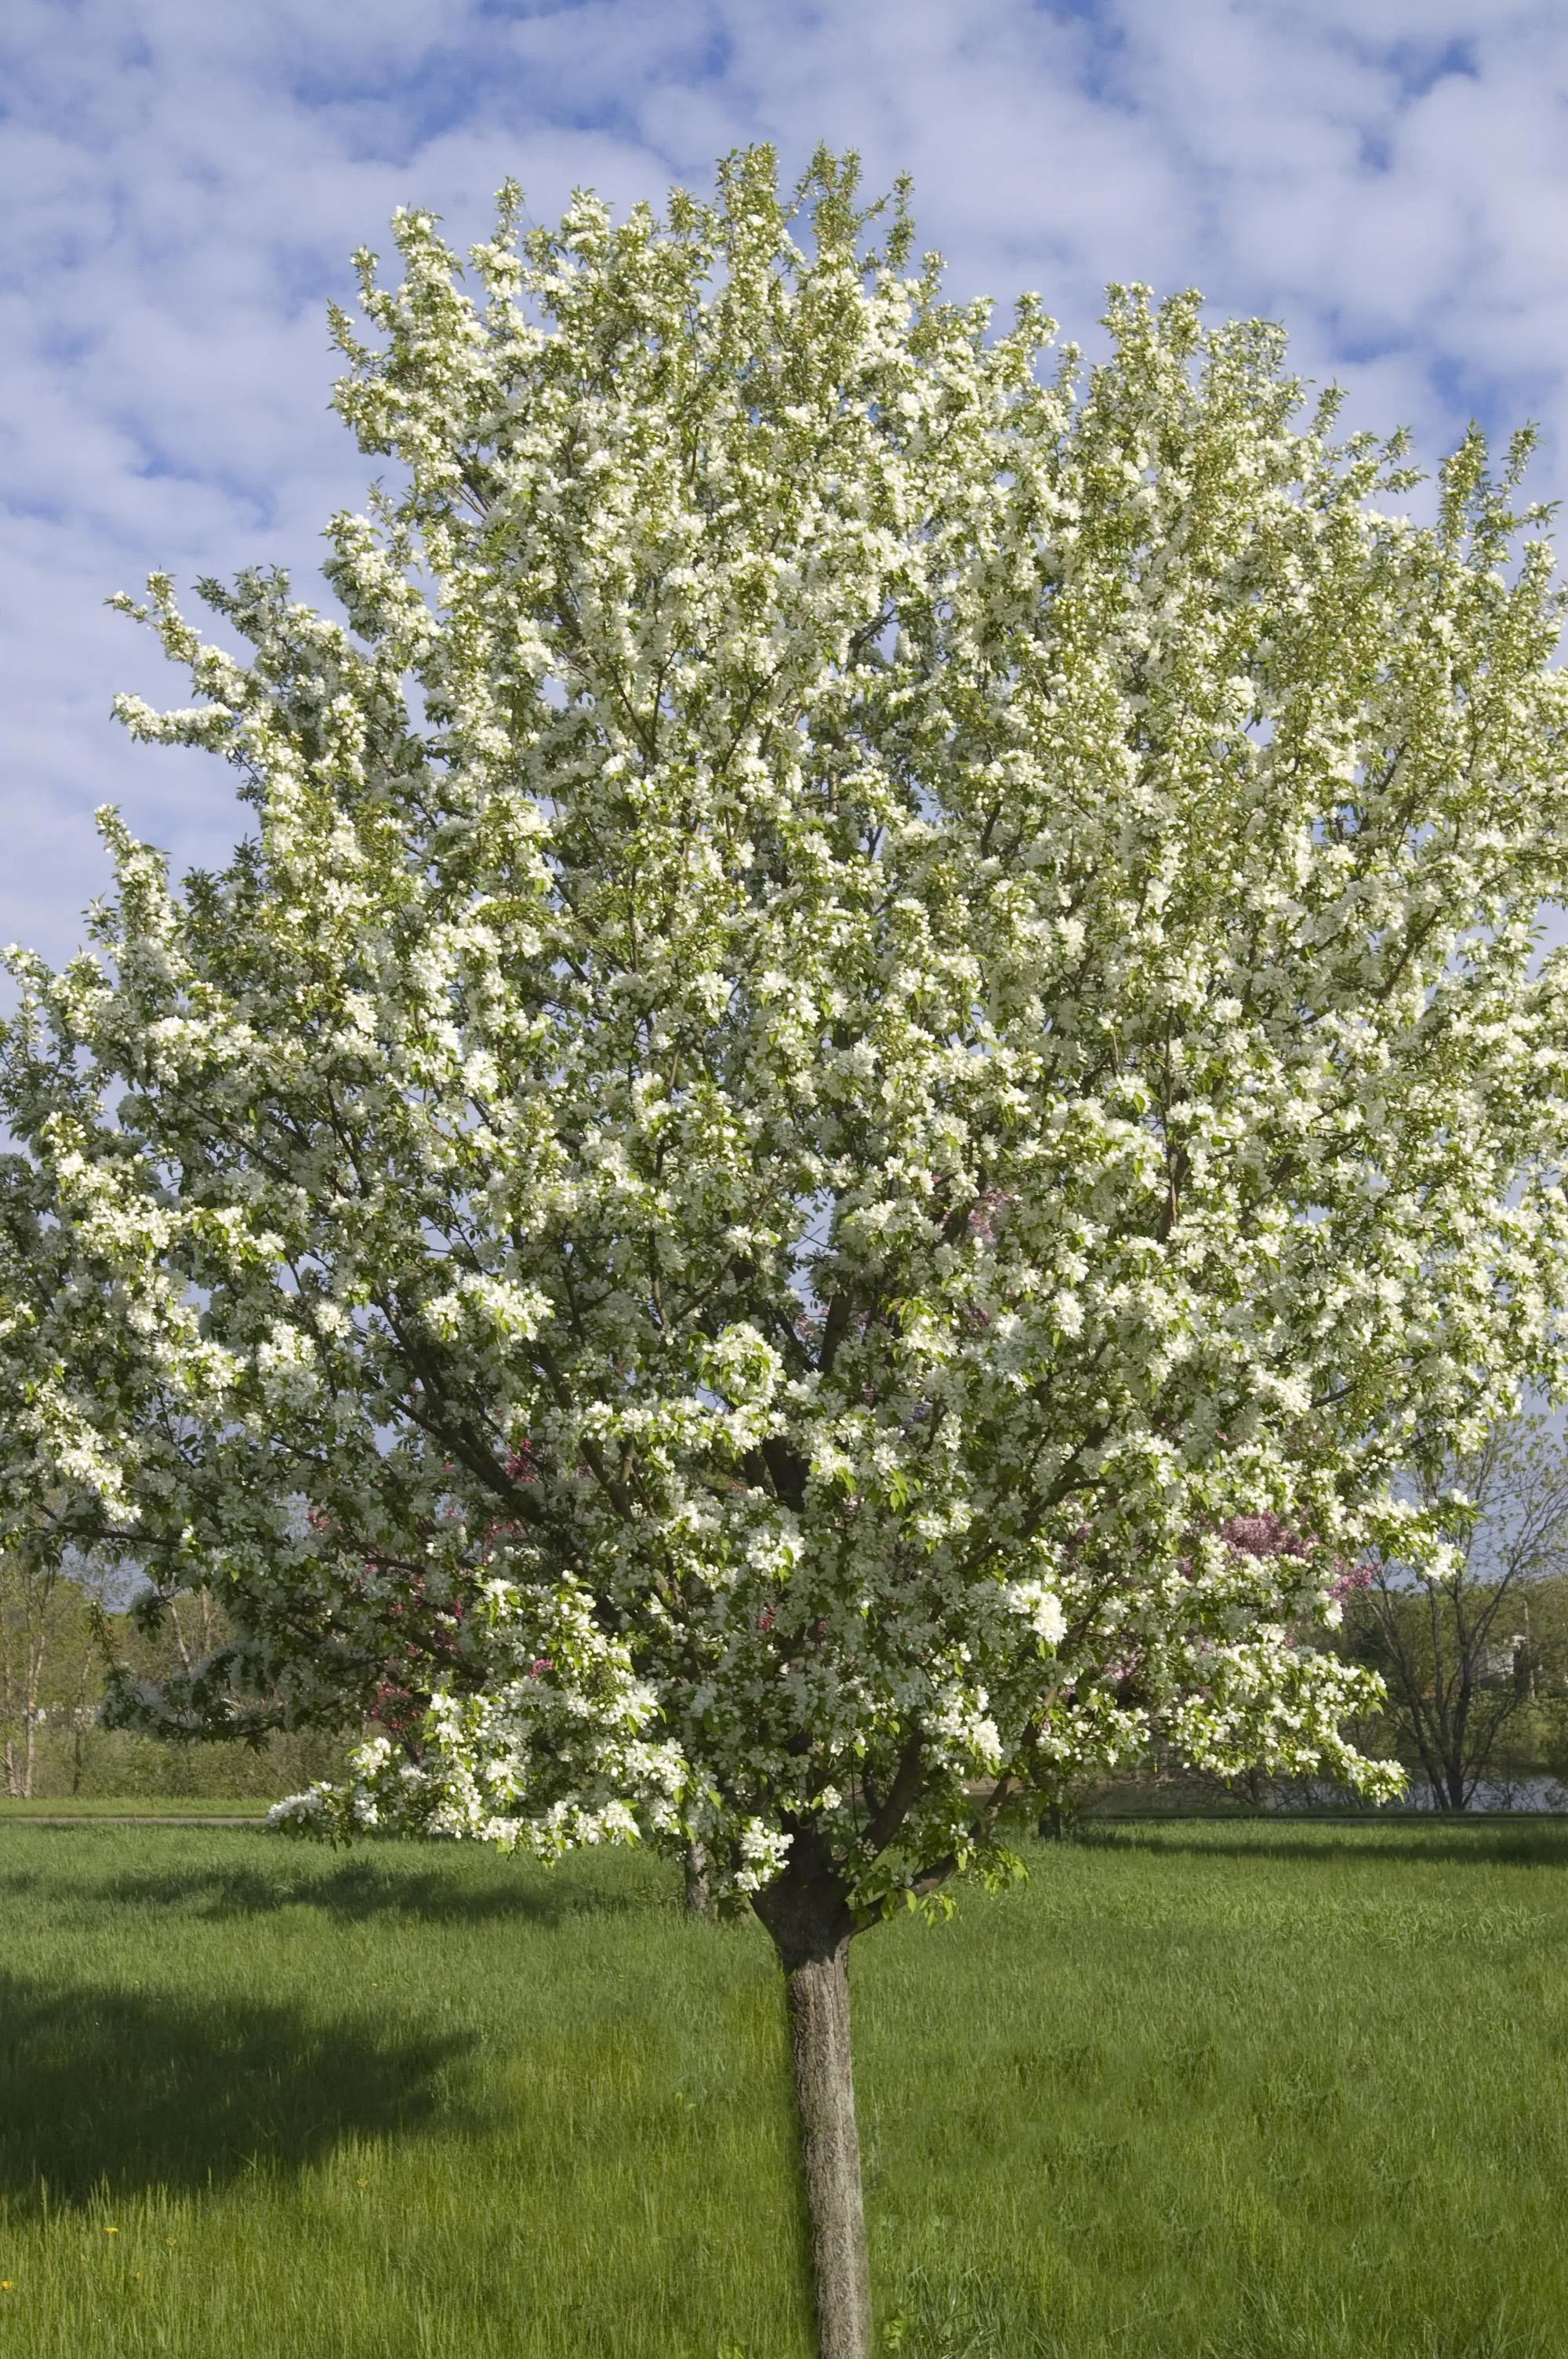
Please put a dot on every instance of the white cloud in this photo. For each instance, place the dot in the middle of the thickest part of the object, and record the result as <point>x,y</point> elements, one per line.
<point>182,185</point>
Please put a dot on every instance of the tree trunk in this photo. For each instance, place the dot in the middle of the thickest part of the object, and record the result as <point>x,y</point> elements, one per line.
<point>696,1879</point>
<point>37,1637</point>
<point>806,1914</point>
<point>830,2151</point>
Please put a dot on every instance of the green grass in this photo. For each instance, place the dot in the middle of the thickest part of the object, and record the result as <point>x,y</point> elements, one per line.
<point>1196,2092</point>
<point>133,1805</point>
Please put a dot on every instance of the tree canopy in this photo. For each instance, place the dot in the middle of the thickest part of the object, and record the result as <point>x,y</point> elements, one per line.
<point>878,1055</point>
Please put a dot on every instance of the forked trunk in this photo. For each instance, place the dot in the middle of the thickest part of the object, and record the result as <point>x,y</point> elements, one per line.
<point>811,1926</point>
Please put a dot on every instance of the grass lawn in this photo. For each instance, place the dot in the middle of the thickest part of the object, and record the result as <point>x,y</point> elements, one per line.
<point>137,1806</point>
<point>1195,2091</point>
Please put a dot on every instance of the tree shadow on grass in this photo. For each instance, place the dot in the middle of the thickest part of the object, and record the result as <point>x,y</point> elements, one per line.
<point>363,1890</point>
<point>129,2090</point>
<point>355,1893</point>
<point>1445,1844</point>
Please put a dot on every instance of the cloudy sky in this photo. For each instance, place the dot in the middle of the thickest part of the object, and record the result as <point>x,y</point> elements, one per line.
<point>183,183</point>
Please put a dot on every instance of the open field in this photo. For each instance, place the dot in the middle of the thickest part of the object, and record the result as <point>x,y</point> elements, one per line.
<point>1194,2093</point>
<point>134,1806</point>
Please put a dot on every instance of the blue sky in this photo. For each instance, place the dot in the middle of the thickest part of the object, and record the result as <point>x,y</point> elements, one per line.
<point>183,182</point>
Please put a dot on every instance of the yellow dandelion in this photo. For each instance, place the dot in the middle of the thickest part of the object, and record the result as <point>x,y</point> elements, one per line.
<point>111,2231</point>
<point>5,2286</point>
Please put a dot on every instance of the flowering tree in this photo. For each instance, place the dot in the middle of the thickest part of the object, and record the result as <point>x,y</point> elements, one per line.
<point>875,989</point>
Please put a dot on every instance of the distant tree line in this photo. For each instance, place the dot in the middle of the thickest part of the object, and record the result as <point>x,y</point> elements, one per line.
<point>60,1633</point>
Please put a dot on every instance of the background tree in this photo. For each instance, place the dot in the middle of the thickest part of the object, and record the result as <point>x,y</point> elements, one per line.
<point>31,1603</point>
<point>1453,1639</point>
<point>875,990</point>
<point>57,1642</point>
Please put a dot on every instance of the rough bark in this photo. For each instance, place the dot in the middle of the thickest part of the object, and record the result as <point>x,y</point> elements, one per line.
<point>830,2152</point>
<point>697,1898</point>
<point>811,1926</point>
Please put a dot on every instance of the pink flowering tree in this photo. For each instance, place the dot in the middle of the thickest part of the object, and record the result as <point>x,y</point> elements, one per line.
<point>877,985</point>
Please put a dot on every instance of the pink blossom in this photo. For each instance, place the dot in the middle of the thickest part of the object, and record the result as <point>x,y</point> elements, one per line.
<point>983,1214</point>
<point>1263,1535</point>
